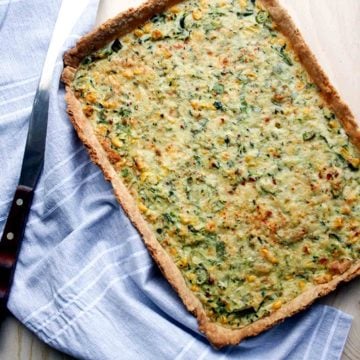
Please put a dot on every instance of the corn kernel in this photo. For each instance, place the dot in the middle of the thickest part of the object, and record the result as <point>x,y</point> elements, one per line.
<point>183,262</point>
<point>191,276</point>
<point>194,288</point>
<point>268,256</point>
<point>344,152</point>
<point>223,319</point>
<point>101,130</point>
<point>280,41</point>
<point>142,208</point>
<point>147,28</point>
<point>249,160</point>
<point>273,152</point>
<point>166,54</point>
<point>338,223</point>
<point>250,278</point>
<point>128,73</point>
<point>352,240</point>
<point>322,279</point>
<point>302,284</point>
<point>196,15</point>
<point>243,3</point>
<point>306,112</point>
<point>195,104</point>
<point>138,33</point>
<point>197,35</point>
<point>264,252</point>
<point>90,97</point>
<point>184,219</point>
<point>183,231</point>
<point>300,85</point>
<point>273,259</point>
<point>208,106</point>
<point>110,105</point>
<point>156,34</point>
<point>126,39</point>
<point>251,75</point>
<point>121,163</point>
<point>173,251</point>
<point>88,110</point>
<point>139,163</point>
<point>144,175</point>
<point>116,142</point>
<point>260,6</point>
<point>138,95</point>
<point>252,29</point>
<point>138,71</point>
<point>350,198</point>
<point>355,162</point>
<point>209,313</point>
<point>152,216</point>
<point>346,210</point>
<point>225,156</point>
<point>276,305</point>
<point>210,226</point>
<point>118,166</point>
<point>333,124</point>
<point>174,9</point>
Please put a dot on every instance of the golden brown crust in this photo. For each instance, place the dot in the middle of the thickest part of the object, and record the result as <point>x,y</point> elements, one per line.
<point>219,336</point>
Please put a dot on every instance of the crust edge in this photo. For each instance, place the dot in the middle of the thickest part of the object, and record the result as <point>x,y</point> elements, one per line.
<point>218,336</point>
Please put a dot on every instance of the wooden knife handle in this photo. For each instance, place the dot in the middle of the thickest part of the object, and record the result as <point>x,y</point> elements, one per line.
<point>11,241</point>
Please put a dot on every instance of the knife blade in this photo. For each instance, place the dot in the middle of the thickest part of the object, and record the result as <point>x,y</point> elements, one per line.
<point>34,152</point>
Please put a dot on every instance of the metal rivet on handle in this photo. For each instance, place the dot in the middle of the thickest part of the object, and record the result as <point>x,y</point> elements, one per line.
<point>19,202</point>
<point>10,235</point>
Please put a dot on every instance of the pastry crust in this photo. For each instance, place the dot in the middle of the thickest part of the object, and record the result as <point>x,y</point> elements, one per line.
<point>218,335</point>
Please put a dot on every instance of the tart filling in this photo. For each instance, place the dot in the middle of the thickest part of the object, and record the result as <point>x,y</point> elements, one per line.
<point>242,171</point>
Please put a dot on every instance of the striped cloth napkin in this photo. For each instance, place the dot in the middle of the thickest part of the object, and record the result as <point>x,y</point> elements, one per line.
<point>84,283</point>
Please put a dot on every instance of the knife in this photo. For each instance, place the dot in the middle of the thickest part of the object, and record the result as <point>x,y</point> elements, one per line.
<point>33,159</point>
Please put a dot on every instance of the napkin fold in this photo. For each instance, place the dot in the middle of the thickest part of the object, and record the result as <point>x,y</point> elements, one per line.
<point>85,283</point>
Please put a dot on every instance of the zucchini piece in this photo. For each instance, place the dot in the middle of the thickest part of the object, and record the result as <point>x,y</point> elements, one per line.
<point>308,135</point>
<point>218,88</point>
<point>220,249</point>
<point>285,57</point>
<point>182,21</point>
<point>202,275</point>
<point>116,45</point>
<point>218,105</point>
<point>261,17</point>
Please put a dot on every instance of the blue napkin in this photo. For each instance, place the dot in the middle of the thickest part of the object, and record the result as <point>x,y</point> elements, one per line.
<point>84,283</point>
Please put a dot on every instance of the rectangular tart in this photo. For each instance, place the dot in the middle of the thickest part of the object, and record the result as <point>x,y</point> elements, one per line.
<point>229,150</point>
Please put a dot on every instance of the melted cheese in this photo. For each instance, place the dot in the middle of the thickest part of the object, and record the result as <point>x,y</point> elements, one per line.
<point>244,174</point>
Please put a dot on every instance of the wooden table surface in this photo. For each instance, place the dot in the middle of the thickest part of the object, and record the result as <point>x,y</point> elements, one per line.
<point>331,28</point>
